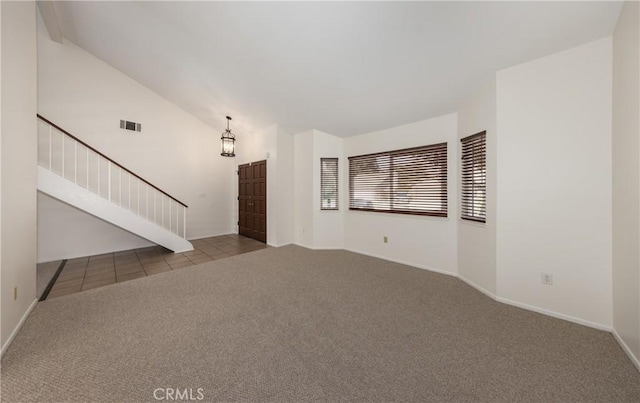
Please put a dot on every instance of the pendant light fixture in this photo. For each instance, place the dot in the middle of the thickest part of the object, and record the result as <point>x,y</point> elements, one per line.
<point>228,142</point>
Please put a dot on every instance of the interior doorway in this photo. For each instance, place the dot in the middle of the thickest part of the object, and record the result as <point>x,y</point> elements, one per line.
<point>252,200</point>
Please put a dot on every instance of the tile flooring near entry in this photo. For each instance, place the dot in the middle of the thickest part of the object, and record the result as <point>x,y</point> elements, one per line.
<point>90,272</point>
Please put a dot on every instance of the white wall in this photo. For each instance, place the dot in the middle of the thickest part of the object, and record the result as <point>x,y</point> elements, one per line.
<point>77,232</point>
<point>316,228</point>
<point>175,151</point>
<point>18,165</point>
<point>303,189</point>
<point>426,242</point>
<point>285,190</point>
<point>328,225</point>
<point>477,241</point>
<point>2,347</point>
<point>626,179</point>
<point>554,183</point>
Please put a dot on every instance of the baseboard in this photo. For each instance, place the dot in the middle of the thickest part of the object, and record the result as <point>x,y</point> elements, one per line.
<point>211,236</point>
<point>477,287</point>
<point>553,314</point>
<point>18,327</point>
<point>318,248</point>
<point>277,245</point>
<point>418,266</point>
<point>626,349</point>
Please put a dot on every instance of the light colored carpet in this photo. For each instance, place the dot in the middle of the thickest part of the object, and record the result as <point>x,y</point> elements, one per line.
<point>290,324</point>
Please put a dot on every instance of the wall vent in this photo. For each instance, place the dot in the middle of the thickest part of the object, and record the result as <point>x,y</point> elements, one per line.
<point>133,126</point>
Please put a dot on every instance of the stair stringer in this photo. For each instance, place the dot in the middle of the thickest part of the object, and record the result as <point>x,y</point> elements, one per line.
<point>56,186</point>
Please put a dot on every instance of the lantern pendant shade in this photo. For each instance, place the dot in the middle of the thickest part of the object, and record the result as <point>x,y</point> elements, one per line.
<point>228,142</point>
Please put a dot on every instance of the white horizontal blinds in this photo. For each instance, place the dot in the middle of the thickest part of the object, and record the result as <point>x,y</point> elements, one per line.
<point>328,183</point>
<point>474,177</point>
<point>409,181</point>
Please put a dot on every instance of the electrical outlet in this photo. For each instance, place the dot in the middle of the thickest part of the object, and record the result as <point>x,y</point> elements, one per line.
<point>385,239</point>
<point>15,293</point>
<point>547,278</point>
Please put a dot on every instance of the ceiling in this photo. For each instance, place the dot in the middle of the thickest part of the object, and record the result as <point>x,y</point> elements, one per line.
<point>345,68</point>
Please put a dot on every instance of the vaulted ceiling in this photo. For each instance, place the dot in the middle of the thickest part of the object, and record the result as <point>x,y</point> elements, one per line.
<point>342,67</point>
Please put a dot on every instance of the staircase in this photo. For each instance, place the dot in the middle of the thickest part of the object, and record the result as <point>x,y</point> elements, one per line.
<point>79,175</point>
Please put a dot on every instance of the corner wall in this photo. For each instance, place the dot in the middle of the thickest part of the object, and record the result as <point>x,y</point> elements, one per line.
<point>285,190</point>
<point>554,184</point>
<point>303,189</point>
<point>626,180</point>
<point>477,241</point>
<point>421,241</point>
<point>18,165</point>
<point>315,228</point>
<point>328,225</point>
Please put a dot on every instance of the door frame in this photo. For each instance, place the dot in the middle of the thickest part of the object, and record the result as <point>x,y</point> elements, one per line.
<point>240,210</point>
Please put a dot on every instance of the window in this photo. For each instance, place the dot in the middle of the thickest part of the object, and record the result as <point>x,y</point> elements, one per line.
<point>474,177</point>
<point>328,184</point>
<point>409,181</point>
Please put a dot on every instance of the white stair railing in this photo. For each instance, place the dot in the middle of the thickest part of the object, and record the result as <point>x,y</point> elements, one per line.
<point>69,157</point>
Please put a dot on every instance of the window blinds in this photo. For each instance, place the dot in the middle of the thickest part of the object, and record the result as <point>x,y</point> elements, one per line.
<point>474,178</point>
<point>408,181</point>
<point>328,184</point>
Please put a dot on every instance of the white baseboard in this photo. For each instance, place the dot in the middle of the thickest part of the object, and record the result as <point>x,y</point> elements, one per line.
<point>477,287</point>
<point>18,327</point>
<point>327,248</point>
<point>626,349</point>
<point>319,248</point>
<point>277,245</point>
<point>423,267</point>
<point>211,236</point>
<point>554,314</point>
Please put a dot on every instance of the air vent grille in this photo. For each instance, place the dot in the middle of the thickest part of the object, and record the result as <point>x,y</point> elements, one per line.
<point>128,125</point>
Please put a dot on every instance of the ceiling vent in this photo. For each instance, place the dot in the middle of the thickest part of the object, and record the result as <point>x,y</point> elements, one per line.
<point>133,126</point>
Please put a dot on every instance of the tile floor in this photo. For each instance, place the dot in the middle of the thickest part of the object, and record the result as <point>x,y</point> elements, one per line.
<point>44,274</point>
<point>90,272</point>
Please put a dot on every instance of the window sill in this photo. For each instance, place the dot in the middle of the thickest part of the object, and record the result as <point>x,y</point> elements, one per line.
<point>399,215</point>
<point>472,223</point>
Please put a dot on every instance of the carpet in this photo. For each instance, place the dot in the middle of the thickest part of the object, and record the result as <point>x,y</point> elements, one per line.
<point>290,324</point>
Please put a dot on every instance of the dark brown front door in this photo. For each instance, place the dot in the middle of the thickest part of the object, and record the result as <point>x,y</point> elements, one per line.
<point>252,200</point>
